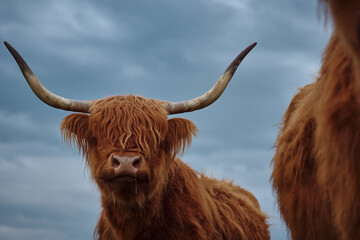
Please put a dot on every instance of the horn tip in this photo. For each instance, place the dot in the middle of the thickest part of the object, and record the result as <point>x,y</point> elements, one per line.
<point>19,60</point>
<point>236,62</point>
<point>250,47</point>
<point>8,46</point>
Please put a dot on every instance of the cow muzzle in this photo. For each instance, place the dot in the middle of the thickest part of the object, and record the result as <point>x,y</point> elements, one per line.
<point>126,166</point>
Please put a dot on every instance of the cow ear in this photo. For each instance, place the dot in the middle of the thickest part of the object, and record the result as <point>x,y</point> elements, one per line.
<point>179,135</point>
<point>75,130</point>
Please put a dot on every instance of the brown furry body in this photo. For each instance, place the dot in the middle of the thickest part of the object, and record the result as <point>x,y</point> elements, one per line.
<point>168,199</point>
<point>317,162</point>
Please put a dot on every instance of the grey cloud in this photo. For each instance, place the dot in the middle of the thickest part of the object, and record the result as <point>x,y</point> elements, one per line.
<point>21,128</point>
<point>59,21</point>
<point>60,202</point>
<point>16,233</point>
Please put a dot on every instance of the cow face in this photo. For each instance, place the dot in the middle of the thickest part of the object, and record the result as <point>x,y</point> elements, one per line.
<point>129,144</point>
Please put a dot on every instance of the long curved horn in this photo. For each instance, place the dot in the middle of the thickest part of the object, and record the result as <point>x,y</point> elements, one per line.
<point>214,93</point>
<point>45,95</point>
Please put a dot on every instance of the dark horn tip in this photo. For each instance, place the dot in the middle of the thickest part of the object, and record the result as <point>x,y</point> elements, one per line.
<point>11,49</point>
<point>243,54</point>
<point>8,46</point>
<point>251,46</point>
<point>19,60</point>
<point>236,62</point>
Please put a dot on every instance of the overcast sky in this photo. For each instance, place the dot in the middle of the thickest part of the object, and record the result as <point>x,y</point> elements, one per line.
<point>164,49</point>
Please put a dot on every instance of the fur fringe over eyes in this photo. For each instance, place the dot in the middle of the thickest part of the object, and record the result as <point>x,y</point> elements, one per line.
<point>128,122</point>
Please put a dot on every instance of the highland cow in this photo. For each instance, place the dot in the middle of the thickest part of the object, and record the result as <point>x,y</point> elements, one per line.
<point>131,148</point>
<point>317,162</point>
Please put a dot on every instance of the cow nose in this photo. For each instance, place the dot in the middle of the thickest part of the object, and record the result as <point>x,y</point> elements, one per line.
<point>125,164</point>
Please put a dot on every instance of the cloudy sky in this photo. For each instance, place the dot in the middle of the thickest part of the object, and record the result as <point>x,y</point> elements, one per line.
<point>164,49</point>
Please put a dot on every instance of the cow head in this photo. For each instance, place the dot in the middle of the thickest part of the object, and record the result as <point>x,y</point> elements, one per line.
<point>129,144</point>
<point>128,141</point>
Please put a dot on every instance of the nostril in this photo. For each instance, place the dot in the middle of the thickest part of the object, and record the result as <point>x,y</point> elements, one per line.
<point>136,163</point>
<point>115,163</point>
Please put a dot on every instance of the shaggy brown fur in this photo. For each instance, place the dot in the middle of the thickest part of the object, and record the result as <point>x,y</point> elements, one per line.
<point>317,162</point>
<point>167,199</point>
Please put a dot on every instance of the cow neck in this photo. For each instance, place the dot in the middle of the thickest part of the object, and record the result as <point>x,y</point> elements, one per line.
<point>128,221</point>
